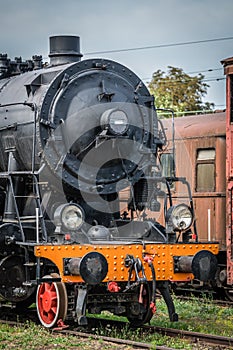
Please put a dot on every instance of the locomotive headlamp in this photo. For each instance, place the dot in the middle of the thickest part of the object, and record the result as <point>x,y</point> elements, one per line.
<point>179,217</point>
<point>71,216</point>
<point>115,120</point>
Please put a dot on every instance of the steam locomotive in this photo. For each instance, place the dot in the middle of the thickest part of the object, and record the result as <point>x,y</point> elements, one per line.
<point>87,220</point>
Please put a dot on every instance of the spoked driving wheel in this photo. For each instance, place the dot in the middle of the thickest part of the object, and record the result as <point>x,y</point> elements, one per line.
<point>141,312</point>
<point>51,302</point>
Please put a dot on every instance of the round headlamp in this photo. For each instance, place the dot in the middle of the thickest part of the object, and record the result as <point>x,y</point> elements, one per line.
<point>115,120</point>
<point>180,217</point>
<point>70,216</point>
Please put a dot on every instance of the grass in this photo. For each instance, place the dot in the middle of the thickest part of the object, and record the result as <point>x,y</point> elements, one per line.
<point>199,316</point>
<point>34,337</point>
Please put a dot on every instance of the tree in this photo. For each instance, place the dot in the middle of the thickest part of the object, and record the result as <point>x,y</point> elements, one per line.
<point>179,91</point>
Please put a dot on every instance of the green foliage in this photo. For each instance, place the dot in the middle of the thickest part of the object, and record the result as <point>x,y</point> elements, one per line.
<point>179,91</point>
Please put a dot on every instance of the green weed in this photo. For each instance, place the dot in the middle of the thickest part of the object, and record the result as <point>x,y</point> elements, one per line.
<point>195,315</point>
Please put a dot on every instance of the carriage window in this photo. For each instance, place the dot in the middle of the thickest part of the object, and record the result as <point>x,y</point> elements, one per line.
<point>205,170</point>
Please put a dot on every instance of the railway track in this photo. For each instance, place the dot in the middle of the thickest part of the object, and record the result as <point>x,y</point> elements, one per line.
<point>213,341</point>
<point>224,303</point>
<point>129,343</point>
<point>207,298</point>
<point>193,337</point>
<point>119,343</point>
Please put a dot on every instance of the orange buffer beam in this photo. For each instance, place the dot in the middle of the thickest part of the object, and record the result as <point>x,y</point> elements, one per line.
<point>162,255</point>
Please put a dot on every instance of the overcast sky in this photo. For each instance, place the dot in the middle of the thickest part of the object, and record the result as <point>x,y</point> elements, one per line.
<point>109,25</point>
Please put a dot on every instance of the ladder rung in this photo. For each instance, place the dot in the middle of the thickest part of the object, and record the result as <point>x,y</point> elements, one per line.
<point>30,264</point>
<point>31,196</point>
<point>30,217</point>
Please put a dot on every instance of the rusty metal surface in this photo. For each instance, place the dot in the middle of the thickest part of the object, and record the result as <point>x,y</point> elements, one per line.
<point>202,125</point>
<point>229,174</point>
<point>228,65</point>
<point>203,132</point>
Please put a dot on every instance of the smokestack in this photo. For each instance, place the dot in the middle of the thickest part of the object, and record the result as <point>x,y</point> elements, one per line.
<point>64,49</point>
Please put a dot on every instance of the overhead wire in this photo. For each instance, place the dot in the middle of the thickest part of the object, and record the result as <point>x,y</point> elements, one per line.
<point>205,70</point>
<point>195,72</point>
<point>186,81</point>
<point>160,46</point>
<point>170,45</point>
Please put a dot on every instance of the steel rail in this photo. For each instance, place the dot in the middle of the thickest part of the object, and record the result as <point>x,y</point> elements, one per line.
<point>195,336</point>
<point>90,336</point>
<point>172,332</point>
<point>118,341</point>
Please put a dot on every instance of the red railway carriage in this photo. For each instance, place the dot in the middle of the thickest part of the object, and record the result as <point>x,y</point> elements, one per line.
<point>203,154</point>
<point>200,150</point>
<point>228,70</point>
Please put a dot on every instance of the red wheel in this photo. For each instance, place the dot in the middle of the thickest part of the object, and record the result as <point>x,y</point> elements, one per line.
<point>51,302</point>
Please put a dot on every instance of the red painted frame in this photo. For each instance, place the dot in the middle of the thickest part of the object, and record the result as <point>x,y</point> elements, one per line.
<point>228,70</point>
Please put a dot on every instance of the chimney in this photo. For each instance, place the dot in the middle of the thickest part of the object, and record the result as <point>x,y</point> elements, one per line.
<point>64,49</point>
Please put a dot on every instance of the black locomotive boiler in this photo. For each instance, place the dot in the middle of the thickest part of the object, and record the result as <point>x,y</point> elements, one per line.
<point>79,179</point>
